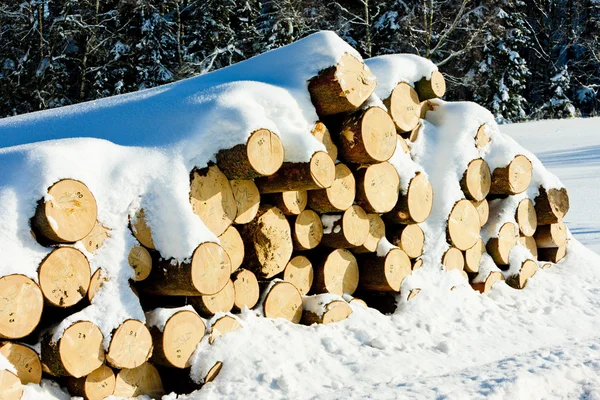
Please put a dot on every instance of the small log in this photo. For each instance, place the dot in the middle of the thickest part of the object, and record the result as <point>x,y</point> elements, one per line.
<point>176,340</point>
<point>209,305</point>
<point>434,87</point>
<point>377,187</point>
<point>376,232</point>
<point>483,209</point>
<point>299,272</point>
<point>481,137</point>
<point>319,173</point>
<point>404,107</point>
<point>357,302</point>
<point>69,214</point>
<point>512,179</point>
<point>64,277</point>
<point>142,380</point>
<point>247,291</point>
<point>22,304</point>
<point>526,217</point>
<point>409,238</point>
<point>212,199</point>
<point>290,203</point>
<point>473,256</point>
<point>321,309</point>
<point>11,387</point>
<point>321,133</point>
<point>551,205</point>
<point>553,235</point>
<point>25,360</point>
<point>141,230</point>
<point>413,293</point>
<point>350,229</point>
<point>552,254</point>
<point>486,286</point>
<point>519,281</point>
<point>307,230</point>
<point>424,107</point>
<point>77,353</point>
<point>476,180</point>
<point>453,259</point>
<point>415,206</point>
<point>463,225</point>
<point>98,385</point>
<point>268,242</point>
<point>247,200</point>
<point>141,261</point>
<point>341,88</point>
<point>499,247</point>
<point>367,136</point>
<point>529,243</point>
<point>283,300</point>
<point>383,273</point>
<point>337,198</point>
<point>95,239</point>
<point>418,263</point>
<point>206,274</point>
<point>261,155</point>
<point>336,272</point>
<point>96,282</point>
<point>221,326</point>
<point>130,345</point>
<point>232,243</point>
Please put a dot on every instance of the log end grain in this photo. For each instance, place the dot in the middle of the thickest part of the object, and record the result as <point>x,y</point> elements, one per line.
<point>64,277</point>
<point>299,272</point>
<point>130,346</point>
<point>22,303</point>
<point>463,225</point>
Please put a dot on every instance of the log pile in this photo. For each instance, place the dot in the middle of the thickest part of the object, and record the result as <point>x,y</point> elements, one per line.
<point>296,241</point>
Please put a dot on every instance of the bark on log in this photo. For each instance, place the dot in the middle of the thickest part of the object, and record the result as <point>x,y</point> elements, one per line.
<point>299,272</point>
<point>551,205</point>
<point>140,260</point>
<point>483,209</point>
<point>486,286</point>
<point>527,270</point>
<point>64,277</point>
<point>499,247</point>
<point>463,225</point>
<point>385,273</point>
<point>98,385</point>
<point>434,87</point>
<point>526,217</point>
<point>22,304</point>
<point>473,256</point>
<point>247,291</point>
<point>377,187</point>
<point>335,272</point>
<point>130,345</point>
<point>321,133</point>
<point>261,155</point>
<point>350,229</point>
<point>409,238</point>
<point>404,107</point>
<point>25,360</point>
<point>290,203</point>
<point>220,302</point>
<point>142,380</point>
<point>552,254</point>
<point>221,326</point>
<point>512,179</point>
<point>11,387</point>
<point>453,259</point>
<point>337,198</point>
<point>247,200</point>
<point>141,230</point>
<point>95,239</point>
<point>376,232</point>
<point>529,243</point>
<point>476,180</point>
<point>330,311</point>
<point>553,235</point>
<point>415,206</point>
<point>283,300</point>
<point>232,243</point>
<point>341,88</point>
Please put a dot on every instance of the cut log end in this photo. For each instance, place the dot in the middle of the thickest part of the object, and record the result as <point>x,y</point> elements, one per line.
<point>553,254</point>
<point>11,387</point>
<point>453,259</point>
<point>483,209</point>
<point>25,361</point>
<point>142,380</point>
<point>95,239</point>
<point>377,187</point>
<point>404,107</point>
<point>526,217</point>
<point>463,225</point>
<point>247,291</point>
<point>321,133</point>
<point>512,179</point>
<point>98,385</point>
<point>337,198</point>
<point>409,238</point>
<point>376,232</point>
<point>211,268</point>
<point>417,264</point>
<point>384,274</point>
<point>64,277</point>
<point>140,260</point>
<point>549,236</point>
<point>181,334</point>
<point>486,286</point>
<point>290,203</point>
<point>337,273</point>
<point>23,303</point>
<point>247,199</point>
<point>212,199</point>
<point>499,247</point>
<point>283,301</point>
<point>221,326</point>
<point>434,87</point>
<point>222,301</point>
<point>96,282</point>
<point>473,256</point>
<point>551,205</point>
<point>232,243</point>
<point>519,281</point>
<point>130,346</point>
<point>351,230</point>
<point>308,230</point>
<point>299,272</point>
<point>80,350</point>
<point>476,180</point>
<point>334,311</point>
<point>529,243</point>
<point>416,205</point>
<point>141,230</point>
<point>481,137</point>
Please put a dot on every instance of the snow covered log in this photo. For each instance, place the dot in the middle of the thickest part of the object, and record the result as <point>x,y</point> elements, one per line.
<point>98,385</point>
<point>552,235</point>
<point>335,272</point>
<point>141,230</point>
<point>377,187</point>
<point>453,259</point>
<point>552,254</point>
<point>415,206</point>
<point>476,180</point>
<point>77,352</point>
<point>512,179</point>
<point>487,284</point>
<point>526,217</point>
<point>282,300</point>
<point>231,241</point>
<point>247,199</point>
<point>64,277</point>
<point>212,199</point>
<point>341,88</point>
<point>11,387</point>
<point>307,230</point>
<point>366,137</point>
<point>299,272</point>
<point>551,205</point>
<point>404,107</point>
<point>321,133</point>
<point>409,238</point>
<point>290,203</point>
<point>261,155</point>
<point>142,380</point>
<point>220,302</point>
<point>25,361</point>
<point>527,270</point>
<point>383,273</point>
<point>463,225</point>
<point>318,173</point>
<point>324,309</point>
<point>347,230</point>
<point>337,198</point>
<point>68,214</point>
<point>268,242</point>
<point>529,243</point>
<point>434,87</point>
<point>222,325</point>
<point>473,256</point>
<point>376,232</point>
<point>499,247</point>
<point>22,302</point>
<point>140,260</point>
<point>246,289</point>
<point>95,239</point>
<point>206,273</point>
<point>130,345</point>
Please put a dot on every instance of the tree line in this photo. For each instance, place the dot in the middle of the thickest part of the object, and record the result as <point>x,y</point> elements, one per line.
<point>521,59</point>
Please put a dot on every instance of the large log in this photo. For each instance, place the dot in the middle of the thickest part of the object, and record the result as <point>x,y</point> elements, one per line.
<point>415,206</point>
<point>512,179</point>
<point>483,209</point>
<point>376,232</point>
<point>347,230</point>
<point>220,302</point>
<point>551,205</point>
<point>486,286</point>
<point>337,198</point>
<point>261,155</point>
<point>290,203</point>
<point>22,303</point>
<point>77,352</point>
<point>140,260</point>
<point>321,133</point>
<point>130,345</point>
<point>222,326</point>
<point>453,259</point>
<point>206,274</point>
<point>335,272</point>
<point>247,200</point>
<point>409,238</point>
<point>341,88</point>
<point>247,291</point>
<point>473,256</point>
<point>68,214</point>
<point>527,270</point>
<point>212,199</point>
<point>98,385</point>
<point>95,239</point>
<point>383,273</point>
<point>319,173</point>
<point>434,87</point>
<point>299,272</point>
<point>64,277</point>
<point>142,380</point>
<point>282,300</point>
<point>322,309</point>
<point>463,225</point>
<point>175,339</point>
<point>553,235</point>
<point>307,230</point>
<point>232,243</point>
<point>11,387</point>
<point>377,187</point>
<point>499,247</point>
<point>404,107</point>
<point>529,243</point>
<point>476,180</point>
<point>552,254</point>
<point>25,360</point>
<point>141,230</point>
<point>268,242</point>
<point>526,217</point>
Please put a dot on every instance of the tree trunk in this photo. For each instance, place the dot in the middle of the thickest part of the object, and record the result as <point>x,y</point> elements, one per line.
<point>463,225</point>
<point>337,198</point>
<point>141,261</point>
<point>335,272</point>
<point>25,360</point>
<point>519,281</point>
<point>453,259</point>
<point>404,107</point>
<point>350,229</point>
<point>409,238</point>
<point>320,309</point>
<point>377,187</point>
<point>142,380</point>
<point>321,133</point>
<point>232,243</point>
<point>282,300</point>
<point>64,277</point>
<point>476,180</point>
<point>486,286</point>
<point>551,205</point>
<point>473,256</point>
<point>98,385</point>
<point>416,205</point>
<point>247,291</point>
<point>220,302</point>
<point>383,273</point>
<point>130,345</point>
<point>434,87</point>
<point>290,203</point>
<point>307,230</point>
<point>512,179</point>
<point>526,217</point>
<point>22,304</point>
<point>553,235</point>
<point>247,199</point>
<point>499,247</point>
